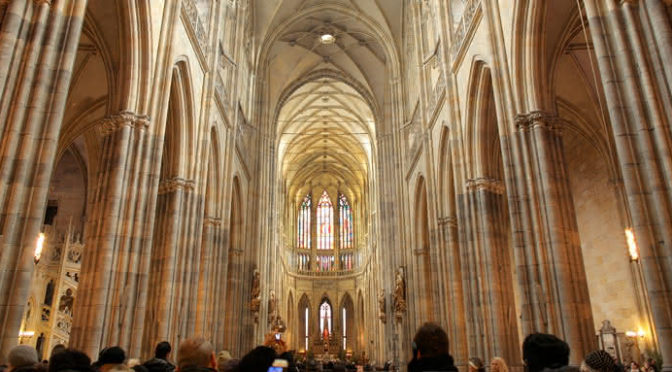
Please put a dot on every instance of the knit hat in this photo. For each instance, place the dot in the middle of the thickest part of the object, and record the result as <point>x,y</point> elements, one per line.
<point>111,355</point>
<point>601,361</point>
<point>22,355</point>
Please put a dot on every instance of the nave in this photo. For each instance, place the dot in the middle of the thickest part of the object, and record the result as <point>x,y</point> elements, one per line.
<point>337,172</point>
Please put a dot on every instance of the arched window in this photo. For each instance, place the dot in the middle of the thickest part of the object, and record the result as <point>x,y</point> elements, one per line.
<point>303,224</point>
<point>306,318</point>
<point>345,220</point>
<point>325,317</point>
<point>345,328</point>
<point>325,220</point>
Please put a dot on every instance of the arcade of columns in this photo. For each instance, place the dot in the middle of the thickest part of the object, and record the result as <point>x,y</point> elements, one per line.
<point>499,152</point>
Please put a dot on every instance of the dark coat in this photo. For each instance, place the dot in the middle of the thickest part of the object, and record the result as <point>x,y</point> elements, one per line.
<point>159,365</point>
<point>437,363</point>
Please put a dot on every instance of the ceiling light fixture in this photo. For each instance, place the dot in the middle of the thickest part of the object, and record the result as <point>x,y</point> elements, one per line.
<point>327,38</point>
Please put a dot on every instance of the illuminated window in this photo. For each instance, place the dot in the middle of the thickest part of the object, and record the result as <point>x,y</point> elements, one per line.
<point>325,317</point>
<point>345,330</point>
<point>346,261</point>
<point>325,263</point>
<point>345,220</point>
<point>306,328</point>
<point>303,224</point>
<point>325,218</point>
<point>304,261</point>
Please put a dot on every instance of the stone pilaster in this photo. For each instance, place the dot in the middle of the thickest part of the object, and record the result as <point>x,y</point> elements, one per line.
<point>38,46</point>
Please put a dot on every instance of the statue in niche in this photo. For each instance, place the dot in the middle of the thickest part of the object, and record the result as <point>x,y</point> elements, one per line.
<point>399,292</point>
<point>66,301</point>
<point>381,307</point>
<point>49,293</point>
<point>74,255</point>
<point>255,300</point>
<point>272,306</point>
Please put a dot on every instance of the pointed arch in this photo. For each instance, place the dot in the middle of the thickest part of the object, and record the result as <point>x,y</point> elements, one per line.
<point>422,247</point>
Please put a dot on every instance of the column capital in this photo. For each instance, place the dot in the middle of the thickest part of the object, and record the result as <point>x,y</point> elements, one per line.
<point>114,122</point>
<point>537,119</point>
<point>212,221</point>
<point>487,184</point>
<point>450,221</point>
<point>173,184</point>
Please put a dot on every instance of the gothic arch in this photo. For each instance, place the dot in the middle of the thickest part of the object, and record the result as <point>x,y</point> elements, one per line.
<point>303,339</point>
<point>422,251</point>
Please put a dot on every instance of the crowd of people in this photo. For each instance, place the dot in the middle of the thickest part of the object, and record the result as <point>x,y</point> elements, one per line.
<point>541,353</point>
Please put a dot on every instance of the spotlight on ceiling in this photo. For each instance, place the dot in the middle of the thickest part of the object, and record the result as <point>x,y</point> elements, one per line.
<point>327,38</point>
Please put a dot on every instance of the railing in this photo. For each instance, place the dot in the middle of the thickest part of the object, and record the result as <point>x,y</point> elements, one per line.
<point>462,30</point>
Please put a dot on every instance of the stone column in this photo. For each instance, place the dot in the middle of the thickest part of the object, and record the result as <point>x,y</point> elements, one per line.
<point>110,308</point>
<point>453,278</point>
<point>631,40</point>
<point>547,248</point>
<point>38,46</point>
<point>490,271</point>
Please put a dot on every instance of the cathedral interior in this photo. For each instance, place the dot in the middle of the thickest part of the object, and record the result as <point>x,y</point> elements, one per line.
<point>339,172</point>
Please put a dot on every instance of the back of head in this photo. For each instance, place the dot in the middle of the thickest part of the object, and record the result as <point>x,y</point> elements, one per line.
<point>600,361</point>
<point>57,349</point>
<point>71,360</point>
<point>162,349</point>
<point>257,360</point>
<point>542,350</point>
<point>22,356</point>
<point>195,352</point>
<point>111,355</point>
<point>431,340</point>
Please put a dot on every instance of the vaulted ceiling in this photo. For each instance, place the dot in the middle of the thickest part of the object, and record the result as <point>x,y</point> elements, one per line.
<point>326,97</point>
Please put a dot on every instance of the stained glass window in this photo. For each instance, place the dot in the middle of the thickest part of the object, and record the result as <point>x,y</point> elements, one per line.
<point>325,219</point>
<point>345,220</point>
<point>347,261</point>
<point>325,263</point>
<point>325,317</point>
<point>304,261</point>
<point>303,224</point>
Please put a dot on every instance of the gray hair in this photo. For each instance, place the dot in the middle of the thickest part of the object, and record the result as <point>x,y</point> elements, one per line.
<point>21,356</point>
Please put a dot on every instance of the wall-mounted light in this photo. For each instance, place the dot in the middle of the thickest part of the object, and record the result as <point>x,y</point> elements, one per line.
<point>26,334</point>
<point>632,244</point>
<point>38,247</point>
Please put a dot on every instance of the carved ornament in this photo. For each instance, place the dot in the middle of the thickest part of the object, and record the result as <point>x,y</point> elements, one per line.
<point>113,123</point>
<point>487,184</point>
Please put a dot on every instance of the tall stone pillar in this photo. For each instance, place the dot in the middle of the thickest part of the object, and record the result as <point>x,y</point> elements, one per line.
<point>453,278</point>
<point>112,297</point>
<point>632,45</point>
<point>493,323</point>
<point>548,255</point>
<point>38,46</point>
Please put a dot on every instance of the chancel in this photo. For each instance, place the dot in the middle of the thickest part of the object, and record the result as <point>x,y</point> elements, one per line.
<point>339,179</point>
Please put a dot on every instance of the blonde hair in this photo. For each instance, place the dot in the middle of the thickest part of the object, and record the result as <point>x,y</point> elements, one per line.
<point>498,364</point>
